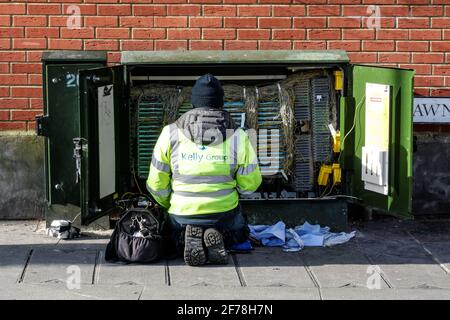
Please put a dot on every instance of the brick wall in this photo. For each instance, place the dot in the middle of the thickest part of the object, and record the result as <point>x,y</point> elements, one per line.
<point>411,34</point>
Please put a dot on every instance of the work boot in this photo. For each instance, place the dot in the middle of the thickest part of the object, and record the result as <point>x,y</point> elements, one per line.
<point>194,254</point>
<point>215,247</point>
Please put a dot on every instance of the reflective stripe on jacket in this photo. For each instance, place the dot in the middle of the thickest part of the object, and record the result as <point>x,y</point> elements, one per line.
<point>189,179</point>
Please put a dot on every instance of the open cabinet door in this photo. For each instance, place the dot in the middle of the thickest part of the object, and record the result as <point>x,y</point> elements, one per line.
<point>62,126</point>
<point>103,145</point>
<point>381,143</point>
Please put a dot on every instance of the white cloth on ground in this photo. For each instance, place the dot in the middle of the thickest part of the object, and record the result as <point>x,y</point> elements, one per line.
<point>305,235</point>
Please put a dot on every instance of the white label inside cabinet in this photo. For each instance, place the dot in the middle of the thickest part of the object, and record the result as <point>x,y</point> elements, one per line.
<point>106,141</point>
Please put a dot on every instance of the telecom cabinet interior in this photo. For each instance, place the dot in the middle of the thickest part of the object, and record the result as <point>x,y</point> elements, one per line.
<point>327,133</point>
<point>290,114</point>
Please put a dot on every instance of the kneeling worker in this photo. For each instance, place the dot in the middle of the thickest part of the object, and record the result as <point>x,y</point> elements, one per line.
<point>199,165</point>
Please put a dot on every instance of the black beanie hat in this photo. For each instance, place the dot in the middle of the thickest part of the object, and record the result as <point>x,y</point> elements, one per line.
<point>207,92</point>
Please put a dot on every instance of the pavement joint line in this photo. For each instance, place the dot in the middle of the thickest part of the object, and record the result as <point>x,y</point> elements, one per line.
<point>436,259</point>
<point>238,270</point>
<point>84,295</point>
<point>140,293</point>
<point>97,266</point>
<point>27,262</point>
<point>312,276</point>
<point>381,272</point>
<point>376,267</point>
<point>166,273</point>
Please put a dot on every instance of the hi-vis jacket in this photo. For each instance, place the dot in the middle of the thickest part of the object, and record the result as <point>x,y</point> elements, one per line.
<point>190,178</point>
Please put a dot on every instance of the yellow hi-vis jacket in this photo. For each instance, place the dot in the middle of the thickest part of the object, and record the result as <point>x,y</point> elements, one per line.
<point>190,179</point>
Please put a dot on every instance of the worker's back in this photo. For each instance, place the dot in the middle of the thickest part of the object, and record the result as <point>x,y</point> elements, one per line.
<point>200,162</point>
<point>199,165</point>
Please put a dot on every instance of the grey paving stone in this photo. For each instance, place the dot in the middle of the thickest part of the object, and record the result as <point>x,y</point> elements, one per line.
<point>340,266</point>
<point>182,275</point>
<point>84,244</point>
<point>384,294</point>
<point>268,273</point>
<point>119,273</point>
<point>271,267</point>
<point>440,251</point>
<point>24,233</point>
<point>244,293</point>
<point>431,231</point>
<point>24,291</point>
<point>52,266</point>
<point>12,262</point>
<point>417,274</point>
<point>404,262</point>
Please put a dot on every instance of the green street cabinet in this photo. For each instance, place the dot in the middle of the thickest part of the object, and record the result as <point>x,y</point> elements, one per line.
<point>329,135</point>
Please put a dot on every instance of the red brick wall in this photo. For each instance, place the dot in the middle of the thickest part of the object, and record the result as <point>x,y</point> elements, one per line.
<point>412,34</point>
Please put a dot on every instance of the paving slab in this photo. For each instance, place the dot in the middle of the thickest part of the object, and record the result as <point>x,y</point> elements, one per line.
<point>403,261</point>
<point>227,293</point>
<point>24,233</point>
<point>339,266</point>
<point>421,275</point>
<point>431,231</point>
<point>384,294</point>
<point>61,265</point>
<point>271,267</point>
<point>82,244</point>
<point>142,274</point>
<point>182,275</point>
<point>267,273</point>
<point>440,251</point>
<point>25,291</point>
<point>12,262</point>
<point>86,240</point>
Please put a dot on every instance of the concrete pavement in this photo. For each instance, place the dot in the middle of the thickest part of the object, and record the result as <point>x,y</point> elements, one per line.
<point>388,259</point>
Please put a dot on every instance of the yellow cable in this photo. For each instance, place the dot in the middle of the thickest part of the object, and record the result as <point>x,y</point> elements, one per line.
<point>324,193</point>
<point>353,126</point>
<point>324,190</point>
<point>125,194</point>
<point>328,193</point>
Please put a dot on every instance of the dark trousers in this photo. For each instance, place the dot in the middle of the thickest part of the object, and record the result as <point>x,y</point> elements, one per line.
<point>232,224</point>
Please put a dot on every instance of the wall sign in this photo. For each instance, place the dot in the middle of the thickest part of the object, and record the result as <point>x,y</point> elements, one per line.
<point>431,110</point>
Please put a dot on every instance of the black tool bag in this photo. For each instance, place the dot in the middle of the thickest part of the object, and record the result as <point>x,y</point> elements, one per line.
<point>137,237</point>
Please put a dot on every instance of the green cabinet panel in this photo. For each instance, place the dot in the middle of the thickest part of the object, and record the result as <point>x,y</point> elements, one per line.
<point>62,109</point>
<point>60,125</point>
<point>63,106</point>
<point>398,133</point>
